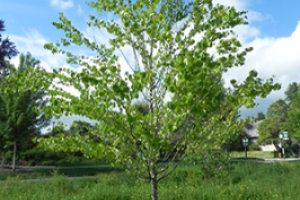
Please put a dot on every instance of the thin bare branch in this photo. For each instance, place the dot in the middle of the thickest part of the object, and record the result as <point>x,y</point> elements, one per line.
<point>169,164</point>
<point>145,96</point>
<point>175,166</point>
<point>136,57</point>
<point>126,59</point>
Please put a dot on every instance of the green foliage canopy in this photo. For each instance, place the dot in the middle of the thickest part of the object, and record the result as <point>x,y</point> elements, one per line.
<point>270,127</point>
<point>291,91</point>
<point>21,93</point>
<point>170,62</point>
<point>292,124</point>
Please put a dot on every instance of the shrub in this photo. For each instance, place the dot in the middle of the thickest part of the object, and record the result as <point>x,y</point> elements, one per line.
<point>22,155</point>
<point>59,162</point>
<point>31,162</point>
<point>8,156</point>
<point>34,154</point>
<point>254,147</point>
<point>48,162</point>
<point>75,160</point>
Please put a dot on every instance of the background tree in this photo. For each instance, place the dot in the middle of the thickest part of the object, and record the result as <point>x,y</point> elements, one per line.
<point>292,124</point>
<point>7,49</point>
<point>3,142</point>
<point>21,96</point>
<point>270,127</point>
<point>260,116</point>
<point>291,91</point>
<point>80,127</point>
<point>142,107</point>
<point>169,61</point>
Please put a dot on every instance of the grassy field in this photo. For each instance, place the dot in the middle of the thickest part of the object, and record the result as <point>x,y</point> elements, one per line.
<point>256,154</point>
<point>243,180</point>
<point>67,169</point>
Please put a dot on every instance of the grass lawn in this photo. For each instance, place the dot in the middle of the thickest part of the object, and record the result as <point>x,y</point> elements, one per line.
<point>243,180</point>
<point>256,154</point>
<point>89,168</point>
<point>83,164</point>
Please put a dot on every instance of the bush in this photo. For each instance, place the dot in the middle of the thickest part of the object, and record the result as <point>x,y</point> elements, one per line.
<point>38,154</point>
<point>22,155</point>
<point>59,162</point>
<point>31,162</point>
<point>48,162</point>
<point>34,154</point>
<point>8,156</point>
<point>75,160</point>
<point>254,147</point>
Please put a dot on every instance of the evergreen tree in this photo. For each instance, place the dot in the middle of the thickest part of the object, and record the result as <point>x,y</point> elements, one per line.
<point>260,116</point>
<point>7,49</point>
<point>291,91</point>
<point>292,124</point>
<point>270,128</point>
<point>19,120</point>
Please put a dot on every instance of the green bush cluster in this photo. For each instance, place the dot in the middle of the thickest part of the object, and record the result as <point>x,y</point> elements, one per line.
<point>254,147</point>
<point>39,156</point>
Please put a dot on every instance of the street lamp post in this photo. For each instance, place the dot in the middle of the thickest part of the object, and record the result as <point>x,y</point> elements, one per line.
<point>282,147</point>
<point>245,143</point>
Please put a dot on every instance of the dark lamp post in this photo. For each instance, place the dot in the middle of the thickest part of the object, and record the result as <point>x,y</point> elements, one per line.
<point>245,143</point>
<point>282,147</point>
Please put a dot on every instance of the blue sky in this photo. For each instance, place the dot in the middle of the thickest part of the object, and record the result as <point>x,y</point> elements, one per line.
<point>273,31</point>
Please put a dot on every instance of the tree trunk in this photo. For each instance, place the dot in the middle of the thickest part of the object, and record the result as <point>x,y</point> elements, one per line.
<point>14,156</point>
<point>154,184</point>
<point>3,159</point>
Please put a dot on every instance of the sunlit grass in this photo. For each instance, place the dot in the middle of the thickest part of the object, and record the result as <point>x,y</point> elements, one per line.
<point>256,154</point>
<point>246,180</point>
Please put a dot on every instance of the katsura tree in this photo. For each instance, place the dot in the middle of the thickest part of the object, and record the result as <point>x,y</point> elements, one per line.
<point>180,51</point>
<point>21,93</point>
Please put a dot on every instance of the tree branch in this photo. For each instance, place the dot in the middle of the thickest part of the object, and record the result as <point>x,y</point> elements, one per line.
<point>169,164</point>
<point>126,59</point>
<point>175,166</point>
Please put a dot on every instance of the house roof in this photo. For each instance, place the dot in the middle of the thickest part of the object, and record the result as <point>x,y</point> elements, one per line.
<point>250,129</point>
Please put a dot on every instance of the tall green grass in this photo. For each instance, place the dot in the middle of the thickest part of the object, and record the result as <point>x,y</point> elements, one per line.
<point>242,180</point>
<point>68,172</point>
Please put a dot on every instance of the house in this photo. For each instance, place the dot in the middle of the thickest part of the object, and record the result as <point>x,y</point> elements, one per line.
<point>250,130</point>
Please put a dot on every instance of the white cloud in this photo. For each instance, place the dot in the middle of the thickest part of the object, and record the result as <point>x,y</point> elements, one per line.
<point>238,4</point>
<point>255,16</point>
<point>246,33</point>
<point>278,56</point>
<point>62,4</point>
<point>241,5</point>
<point>79,10</point>
<point>33,43</point>
<point>271,56</point>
